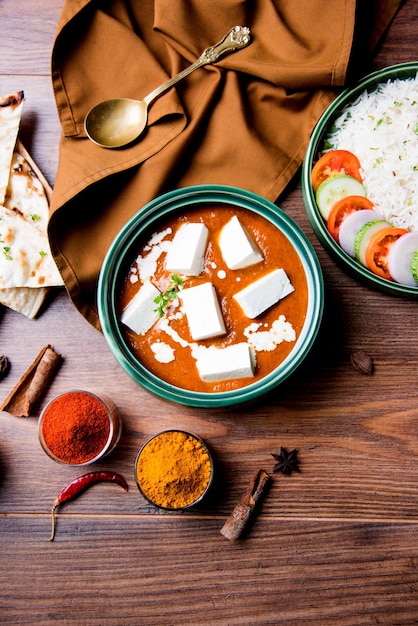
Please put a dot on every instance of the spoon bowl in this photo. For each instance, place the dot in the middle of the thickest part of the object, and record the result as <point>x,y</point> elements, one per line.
<point>118,122</point>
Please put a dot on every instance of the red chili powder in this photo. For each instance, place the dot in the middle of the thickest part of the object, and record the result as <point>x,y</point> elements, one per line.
<point>75,427</point>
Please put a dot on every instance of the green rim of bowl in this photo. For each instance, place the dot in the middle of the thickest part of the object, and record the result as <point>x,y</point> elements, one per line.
<point>370,82</point>
<point>143,221</point>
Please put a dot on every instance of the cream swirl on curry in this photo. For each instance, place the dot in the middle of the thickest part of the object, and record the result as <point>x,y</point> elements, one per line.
<point>214,299</point>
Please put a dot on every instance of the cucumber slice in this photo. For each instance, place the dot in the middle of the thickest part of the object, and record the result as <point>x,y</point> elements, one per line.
<point>403,260</point>
<point>334,188</point>
<point>351,226</point>
<point>363,237</point>
<point>414,266</point>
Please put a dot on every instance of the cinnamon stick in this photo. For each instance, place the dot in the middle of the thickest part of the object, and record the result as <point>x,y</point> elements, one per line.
<point>237,521</point>
<point>32,384</point>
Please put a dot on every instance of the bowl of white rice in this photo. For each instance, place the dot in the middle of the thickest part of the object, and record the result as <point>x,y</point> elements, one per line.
<point>377,121</point>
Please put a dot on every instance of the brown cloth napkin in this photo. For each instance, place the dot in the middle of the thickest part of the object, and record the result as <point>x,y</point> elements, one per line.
<point>245,121</point>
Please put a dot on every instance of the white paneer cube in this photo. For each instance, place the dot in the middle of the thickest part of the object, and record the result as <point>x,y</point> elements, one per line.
<point>237,248</point>
<point>140,314</point>
<point>187,250</point>
<point>263,293</point>
<point>203,312</point>
<point>215,364</point>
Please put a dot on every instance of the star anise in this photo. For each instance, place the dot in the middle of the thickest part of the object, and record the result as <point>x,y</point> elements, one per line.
<point>287,462</point>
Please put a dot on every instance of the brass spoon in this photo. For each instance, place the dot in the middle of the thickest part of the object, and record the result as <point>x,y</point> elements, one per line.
<point>118,122</point>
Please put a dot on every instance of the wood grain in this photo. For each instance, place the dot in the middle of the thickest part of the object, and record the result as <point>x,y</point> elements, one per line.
<point>284,573</point>
<point>333,544</point>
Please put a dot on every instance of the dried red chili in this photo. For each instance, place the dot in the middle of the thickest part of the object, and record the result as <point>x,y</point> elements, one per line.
<point>80,484</point>
<point>75,427</point>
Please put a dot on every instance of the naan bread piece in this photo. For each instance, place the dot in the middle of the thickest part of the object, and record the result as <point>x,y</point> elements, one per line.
<point>25,300</point>
<point>10,114</point>
<point>26,195</point>
<point>27,269</point>
<point>25,255</point>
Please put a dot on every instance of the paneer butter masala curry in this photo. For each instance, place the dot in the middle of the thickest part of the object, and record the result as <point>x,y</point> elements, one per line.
<point>214,299</point>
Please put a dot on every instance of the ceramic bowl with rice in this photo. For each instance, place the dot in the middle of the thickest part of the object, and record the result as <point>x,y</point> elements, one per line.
<point>377,121</point>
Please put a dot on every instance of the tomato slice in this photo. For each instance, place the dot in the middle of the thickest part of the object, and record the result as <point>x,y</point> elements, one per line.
<point>342,209</point>
<point>378,248</point>
<point>335,162</point>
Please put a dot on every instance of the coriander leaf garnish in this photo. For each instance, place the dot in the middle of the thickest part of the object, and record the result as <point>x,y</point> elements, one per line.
<point>42,253</point>
<point>35,217</point>
<point>171,293</point>
<point>6,252</point>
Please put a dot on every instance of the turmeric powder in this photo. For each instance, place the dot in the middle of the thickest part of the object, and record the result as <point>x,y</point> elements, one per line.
<point>173,469</point>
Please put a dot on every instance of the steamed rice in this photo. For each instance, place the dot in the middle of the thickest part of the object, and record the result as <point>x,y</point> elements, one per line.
<point>381,129</point>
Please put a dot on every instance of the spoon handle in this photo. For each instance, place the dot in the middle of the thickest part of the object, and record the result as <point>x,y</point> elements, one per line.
<point>238,37</point>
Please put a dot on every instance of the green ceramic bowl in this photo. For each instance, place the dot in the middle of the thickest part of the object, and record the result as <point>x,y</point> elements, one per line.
<point>122,250</point>
<point>322,129</point>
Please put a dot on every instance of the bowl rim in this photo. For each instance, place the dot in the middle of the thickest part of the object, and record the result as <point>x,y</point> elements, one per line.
<point>184,199</point>
<point>371,80</point>
<point>211,477</point>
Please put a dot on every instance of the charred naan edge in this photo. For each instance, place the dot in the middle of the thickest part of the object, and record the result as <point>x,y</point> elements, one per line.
<point>10,113</point>
<point>12,100</point>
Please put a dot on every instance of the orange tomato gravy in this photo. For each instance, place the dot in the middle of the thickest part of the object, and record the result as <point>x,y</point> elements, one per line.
<point>277,251</point>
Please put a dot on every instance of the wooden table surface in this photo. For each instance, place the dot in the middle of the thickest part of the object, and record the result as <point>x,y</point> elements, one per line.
<point>335,544</point>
